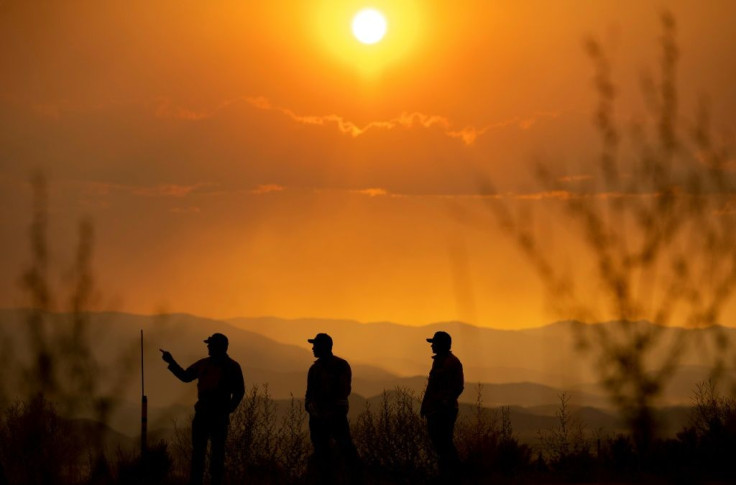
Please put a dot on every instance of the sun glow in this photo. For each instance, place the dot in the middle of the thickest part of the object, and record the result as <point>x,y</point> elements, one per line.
<point>369,26</point>
<point>386,31</point>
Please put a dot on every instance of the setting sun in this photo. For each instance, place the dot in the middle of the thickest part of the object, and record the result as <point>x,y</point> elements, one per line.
<point>370,38</point>
<point>369,26</point>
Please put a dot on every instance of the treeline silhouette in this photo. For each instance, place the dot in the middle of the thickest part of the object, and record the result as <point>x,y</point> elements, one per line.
<point>269,445</point>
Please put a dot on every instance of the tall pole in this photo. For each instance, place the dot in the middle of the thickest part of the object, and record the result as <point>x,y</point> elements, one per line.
<point>144,406</point>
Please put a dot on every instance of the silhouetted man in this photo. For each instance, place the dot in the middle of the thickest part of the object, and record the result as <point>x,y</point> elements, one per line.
<point>220,388</point>
<point>328,388</point>
<point>439,405</point>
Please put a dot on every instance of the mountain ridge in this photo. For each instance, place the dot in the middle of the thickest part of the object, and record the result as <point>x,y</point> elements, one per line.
<point>383,355</point>
<point>283,364</point>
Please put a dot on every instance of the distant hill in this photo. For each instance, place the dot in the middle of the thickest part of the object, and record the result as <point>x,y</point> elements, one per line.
<point>115,339</point>
<point>525,369</point>
<point>488,355</point>
<point>546,355</point>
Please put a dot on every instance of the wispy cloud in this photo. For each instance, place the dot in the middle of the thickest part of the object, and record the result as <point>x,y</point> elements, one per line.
<point>468,134</point>
<point>267,188</point>
<point>166,190</point>
<point>101,189</point>
<point>575,178</point>
<point>160,190</point>
<point>552,194</point>
<point>728,208</point>
<point>716,159</point>
<point>569,195</point>
<point>372,192</point>
<point>166,109</point>
<point>560,195</point>
<point>186,210</point>
<point>405,120</point>
<point>97,191</point>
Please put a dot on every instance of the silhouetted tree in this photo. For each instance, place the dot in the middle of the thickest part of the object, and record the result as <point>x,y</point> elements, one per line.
<point>658,224</point>
<point>51,371</point>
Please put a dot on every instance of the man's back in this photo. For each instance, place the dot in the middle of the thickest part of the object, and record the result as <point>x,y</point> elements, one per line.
<point>328,388</point>
<point>446,383</point>
<point>220,384</point>
<point>328,382</point>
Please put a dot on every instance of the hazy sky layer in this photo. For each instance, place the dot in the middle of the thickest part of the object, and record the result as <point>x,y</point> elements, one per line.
<point>244,158</point>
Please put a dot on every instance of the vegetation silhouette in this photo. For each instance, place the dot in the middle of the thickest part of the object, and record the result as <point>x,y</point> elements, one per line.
<point>656,221</point>
<point>59,376</point>
<point>566,447</point>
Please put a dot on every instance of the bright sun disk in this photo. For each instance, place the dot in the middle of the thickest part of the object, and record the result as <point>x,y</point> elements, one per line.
<point>369,26</point>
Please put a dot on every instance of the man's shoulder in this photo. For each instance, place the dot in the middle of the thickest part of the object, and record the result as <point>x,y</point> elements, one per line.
<point>330,362</point>
<point>232,363</point>
<point>227,362</point>
<point>452,358</point>
<point>447,360</point>
<point>198,365</point>
<point>340,361</point>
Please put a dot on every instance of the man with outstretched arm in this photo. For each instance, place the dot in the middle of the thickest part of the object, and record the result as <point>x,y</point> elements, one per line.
<point>220,388</point>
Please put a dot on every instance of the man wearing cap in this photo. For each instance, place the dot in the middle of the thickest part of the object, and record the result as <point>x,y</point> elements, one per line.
<point>220,388</point>
<point>439,405</point>
<point>328,388</point>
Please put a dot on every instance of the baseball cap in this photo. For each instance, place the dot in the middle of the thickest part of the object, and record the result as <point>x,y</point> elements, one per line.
<point>217,339</point>
<point>441,338</point>
<point>321,338</point>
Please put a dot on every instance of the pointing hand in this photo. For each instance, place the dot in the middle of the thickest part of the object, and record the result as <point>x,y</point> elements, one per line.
<point>166,356</point>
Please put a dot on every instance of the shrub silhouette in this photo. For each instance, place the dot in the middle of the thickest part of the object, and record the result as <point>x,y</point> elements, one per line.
<point>269,444</point>
<point>709,443</point>
<point>151,468</point>
<point>566,446</point>
<point>487,445</point>
<point>392,440</point>
<point>38,446</point>
<point>264,445</point>
<point>656,222</point>
<point>58,377</point>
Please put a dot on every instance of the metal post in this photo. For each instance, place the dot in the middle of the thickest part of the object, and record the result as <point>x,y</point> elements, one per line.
<point>144,406</point>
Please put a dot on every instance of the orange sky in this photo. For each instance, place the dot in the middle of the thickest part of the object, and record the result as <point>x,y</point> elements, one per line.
<point>247,158</point>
